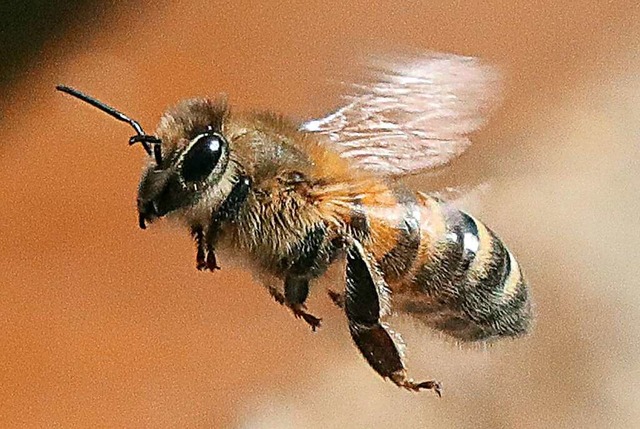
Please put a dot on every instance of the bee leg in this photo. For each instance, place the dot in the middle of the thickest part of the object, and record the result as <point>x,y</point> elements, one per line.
<point>276,294</point>
<point>362,305</point>
<point>337,298</point>
<point>309,259</point>
<point>205,255</point>
<point>296,291</point>
<point>211,262</point>
<point>198,236</point>
<point>227,212</point>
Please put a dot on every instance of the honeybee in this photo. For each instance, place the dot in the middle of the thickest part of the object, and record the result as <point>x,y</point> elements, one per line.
<point>291,199</point>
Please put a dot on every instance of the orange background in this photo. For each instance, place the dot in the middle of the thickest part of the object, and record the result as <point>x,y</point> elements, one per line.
<point>105,325</point>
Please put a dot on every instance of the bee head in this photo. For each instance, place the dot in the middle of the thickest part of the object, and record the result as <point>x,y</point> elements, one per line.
<point>189,156</point>
<point>193,175</point>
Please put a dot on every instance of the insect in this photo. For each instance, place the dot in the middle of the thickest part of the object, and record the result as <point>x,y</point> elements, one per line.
<point>290,200</point>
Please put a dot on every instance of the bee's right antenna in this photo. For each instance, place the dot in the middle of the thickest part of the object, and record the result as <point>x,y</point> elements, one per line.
<point>145,139</point>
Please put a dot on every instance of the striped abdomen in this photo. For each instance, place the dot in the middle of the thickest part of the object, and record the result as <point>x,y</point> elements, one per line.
<point>450,270</point>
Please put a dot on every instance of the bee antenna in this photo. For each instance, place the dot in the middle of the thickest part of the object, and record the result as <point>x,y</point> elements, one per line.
<point>143,138</point>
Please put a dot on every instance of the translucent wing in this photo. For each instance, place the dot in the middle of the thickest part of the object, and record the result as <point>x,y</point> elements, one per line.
<point>416,114</point>
<point>467,198</point>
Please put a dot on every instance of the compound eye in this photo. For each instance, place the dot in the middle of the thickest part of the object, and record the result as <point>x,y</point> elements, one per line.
<point>201,158</point>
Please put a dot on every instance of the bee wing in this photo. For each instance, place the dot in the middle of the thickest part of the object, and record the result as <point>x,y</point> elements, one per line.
<point>462,197</point>
<point>416,114</point>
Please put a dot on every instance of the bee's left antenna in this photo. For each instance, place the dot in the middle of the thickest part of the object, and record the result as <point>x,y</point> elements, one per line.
<point>145,139</point>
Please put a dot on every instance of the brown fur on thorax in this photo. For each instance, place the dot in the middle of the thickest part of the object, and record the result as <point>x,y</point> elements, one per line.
<point>297,183</point>
<point>307,185</point>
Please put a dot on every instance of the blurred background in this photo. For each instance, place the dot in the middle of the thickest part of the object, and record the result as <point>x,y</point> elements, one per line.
<point>106,325</point>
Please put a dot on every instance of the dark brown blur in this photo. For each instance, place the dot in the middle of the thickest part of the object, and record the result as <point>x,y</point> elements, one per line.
<point>106,325</point>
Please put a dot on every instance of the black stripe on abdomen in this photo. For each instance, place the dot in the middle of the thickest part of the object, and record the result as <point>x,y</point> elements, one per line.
<point>442,275</point>
<point>399,260</point>
<point>465,281</point>
<point>486,302</point>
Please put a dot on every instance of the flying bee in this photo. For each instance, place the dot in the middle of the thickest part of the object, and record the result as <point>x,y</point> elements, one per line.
<point>291,199</point>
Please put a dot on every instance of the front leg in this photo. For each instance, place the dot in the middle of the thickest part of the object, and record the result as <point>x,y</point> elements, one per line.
<point>205,254</point>
<point>363,307</point>
<point>228,210</point>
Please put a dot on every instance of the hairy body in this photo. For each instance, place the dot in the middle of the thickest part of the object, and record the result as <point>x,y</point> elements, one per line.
<point>290,199</point>
<point>305,203</point>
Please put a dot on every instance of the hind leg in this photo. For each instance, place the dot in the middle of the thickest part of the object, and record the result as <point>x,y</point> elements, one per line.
<point>363,309</point>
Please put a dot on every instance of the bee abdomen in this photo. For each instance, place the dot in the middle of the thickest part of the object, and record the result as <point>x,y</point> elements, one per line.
<point>470,285</point>
<point>399,260</point>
